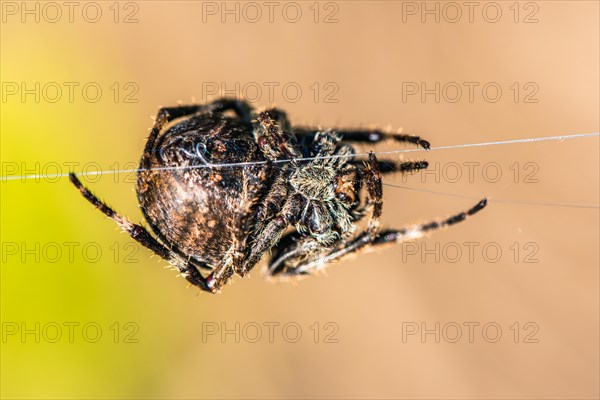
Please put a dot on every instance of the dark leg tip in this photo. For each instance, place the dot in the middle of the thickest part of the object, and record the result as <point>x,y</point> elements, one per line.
<point>422,165</point>
<point>478,207</point>
<point>424,144</point>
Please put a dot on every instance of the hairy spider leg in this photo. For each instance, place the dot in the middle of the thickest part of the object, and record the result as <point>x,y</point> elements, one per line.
<point>390,166</point>
<point>274,136</point>
<point>414,232</point>
<point>395,236</point>
<point>375,136</point>
<point>235,259</point>
<point>269,236</point>
<point>366,136</point>
<point>141,235</point>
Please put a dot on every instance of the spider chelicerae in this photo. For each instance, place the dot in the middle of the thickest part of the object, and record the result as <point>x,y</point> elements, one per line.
<point>220,184</point>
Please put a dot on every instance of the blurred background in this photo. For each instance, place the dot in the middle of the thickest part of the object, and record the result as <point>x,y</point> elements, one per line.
<point>504,305</point>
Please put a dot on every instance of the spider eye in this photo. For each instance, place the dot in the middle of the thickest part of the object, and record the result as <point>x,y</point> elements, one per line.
<point>344,189</point>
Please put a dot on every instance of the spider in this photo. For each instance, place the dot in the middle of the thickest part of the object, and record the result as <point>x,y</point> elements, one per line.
<point>294,191</point>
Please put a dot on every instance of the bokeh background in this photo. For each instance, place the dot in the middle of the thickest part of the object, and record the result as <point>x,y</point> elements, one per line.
<point>138,332</point>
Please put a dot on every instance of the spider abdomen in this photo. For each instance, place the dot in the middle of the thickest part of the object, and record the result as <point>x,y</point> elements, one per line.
<point>188,201</point>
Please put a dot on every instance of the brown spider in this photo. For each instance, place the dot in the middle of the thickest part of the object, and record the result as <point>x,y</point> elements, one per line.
<point>221,218</point>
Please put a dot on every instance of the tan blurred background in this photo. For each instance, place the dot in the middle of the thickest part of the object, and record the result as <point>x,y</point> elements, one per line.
<point>353,62</point>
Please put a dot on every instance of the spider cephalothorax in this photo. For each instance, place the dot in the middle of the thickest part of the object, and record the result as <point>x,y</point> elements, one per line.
<point>220,190</point>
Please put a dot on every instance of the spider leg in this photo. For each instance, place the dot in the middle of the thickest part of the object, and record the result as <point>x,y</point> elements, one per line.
<point>274,136</point>
<point>390,236</point>
<point>240,107</point>
<point>271,233</point>
<point>372,176</point>
<point>293,251</point>
<point>140,234</point>
<point>253,188</point>
<point>390,166</point>
<point>367,136</point>
<point>399,235</point>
